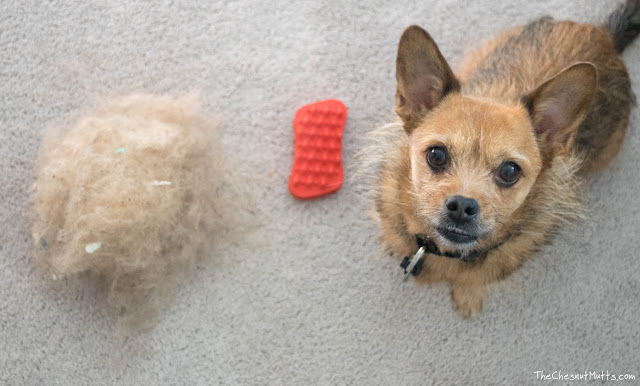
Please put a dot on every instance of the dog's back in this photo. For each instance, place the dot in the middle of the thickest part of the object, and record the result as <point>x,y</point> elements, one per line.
<point>521,58</point>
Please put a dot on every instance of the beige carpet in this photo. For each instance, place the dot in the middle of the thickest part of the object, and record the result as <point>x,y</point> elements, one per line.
<point>299,295</point>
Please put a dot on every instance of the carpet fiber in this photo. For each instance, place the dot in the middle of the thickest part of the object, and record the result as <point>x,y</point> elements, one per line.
<point>297,293</point>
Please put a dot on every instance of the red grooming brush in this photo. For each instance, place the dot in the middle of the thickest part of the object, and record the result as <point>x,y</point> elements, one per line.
<point>317,164</point>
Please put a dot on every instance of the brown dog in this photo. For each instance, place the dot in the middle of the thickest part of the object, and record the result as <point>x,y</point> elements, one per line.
<point>493,158</point>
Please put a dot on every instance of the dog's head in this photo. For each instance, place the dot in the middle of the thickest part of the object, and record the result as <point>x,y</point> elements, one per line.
<point>473,161</point>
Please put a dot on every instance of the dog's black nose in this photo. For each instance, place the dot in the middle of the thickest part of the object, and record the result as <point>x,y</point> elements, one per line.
<point>462,209</point>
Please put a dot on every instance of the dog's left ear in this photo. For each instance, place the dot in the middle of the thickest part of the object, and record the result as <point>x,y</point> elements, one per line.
<point>559,105</point>
<point>423,76</point>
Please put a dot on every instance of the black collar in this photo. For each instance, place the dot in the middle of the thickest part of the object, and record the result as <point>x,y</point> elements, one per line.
<point>430,247</point>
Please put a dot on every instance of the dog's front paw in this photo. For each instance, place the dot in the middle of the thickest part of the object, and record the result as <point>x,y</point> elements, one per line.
<point>468,300</point>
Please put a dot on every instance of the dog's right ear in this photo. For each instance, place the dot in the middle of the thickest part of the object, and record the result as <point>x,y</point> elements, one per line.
<point>423,76</point>
<point>559,105</point>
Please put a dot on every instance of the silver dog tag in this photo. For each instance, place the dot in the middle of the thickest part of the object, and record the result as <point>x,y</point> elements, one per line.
<point>413,262</point>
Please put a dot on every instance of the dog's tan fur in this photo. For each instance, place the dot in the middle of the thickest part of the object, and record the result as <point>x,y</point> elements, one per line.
<point>553,96</point>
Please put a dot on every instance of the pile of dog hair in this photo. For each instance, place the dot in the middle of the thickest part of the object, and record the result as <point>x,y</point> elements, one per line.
<point>127,195</point>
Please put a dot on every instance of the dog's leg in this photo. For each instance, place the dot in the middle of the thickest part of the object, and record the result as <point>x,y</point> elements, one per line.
<point>468,298</point>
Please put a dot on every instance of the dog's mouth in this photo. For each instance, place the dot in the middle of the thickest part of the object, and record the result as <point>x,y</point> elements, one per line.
<point>457,235</point>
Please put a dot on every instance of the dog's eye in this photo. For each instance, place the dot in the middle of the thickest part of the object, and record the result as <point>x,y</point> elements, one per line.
<point>508,174</point>
<point>437,158</point>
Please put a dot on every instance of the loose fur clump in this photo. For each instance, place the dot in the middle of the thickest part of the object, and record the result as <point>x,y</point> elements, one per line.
<point>127,195</point>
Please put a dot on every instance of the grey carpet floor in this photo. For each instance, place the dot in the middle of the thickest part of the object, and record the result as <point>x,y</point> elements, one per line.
<point>299,294</point>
